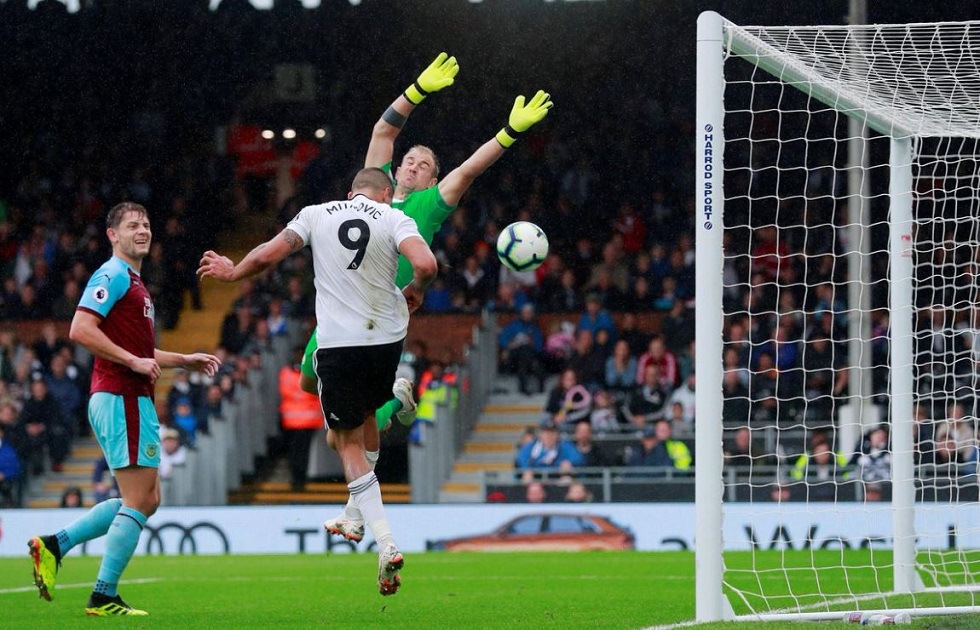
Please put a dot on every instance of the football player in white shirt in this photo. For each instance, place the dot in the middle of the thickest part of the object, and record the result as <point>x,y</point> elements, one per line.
<point>363,317</point>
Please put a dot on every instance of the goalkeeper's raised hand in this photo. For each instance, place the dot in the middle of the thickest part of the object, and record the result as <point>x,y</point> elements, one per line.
<point>440,73</point>
<point>524,116</point>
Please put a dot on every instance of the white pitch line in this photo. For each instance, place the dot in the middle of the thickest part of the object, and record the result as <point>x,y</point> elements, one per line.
<point>27,589</point>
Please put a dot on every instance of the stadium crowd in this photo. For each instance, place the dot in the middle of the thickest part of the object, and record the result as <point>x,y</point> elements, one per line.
<point>622,243</point>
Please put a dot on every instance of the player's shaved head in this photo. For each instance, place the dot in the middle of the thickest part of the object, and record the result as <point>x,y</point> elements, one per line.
<point>371,180</point>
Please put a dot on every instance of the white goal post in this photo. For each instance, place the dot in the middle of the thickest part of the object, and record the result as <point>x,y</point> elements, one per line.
<point>838,301</point>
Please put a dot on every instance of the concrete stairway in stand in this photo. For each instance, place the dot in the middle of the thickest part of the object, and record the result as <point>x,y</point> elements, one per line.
<point>47,490</point>
<point>492,444</point>
<point>201,330</point>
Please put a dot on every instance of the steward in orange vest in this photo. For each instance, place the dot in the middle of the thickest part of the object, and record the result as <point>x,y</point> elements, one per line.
<point>297,409</point>
<point>301,417</point>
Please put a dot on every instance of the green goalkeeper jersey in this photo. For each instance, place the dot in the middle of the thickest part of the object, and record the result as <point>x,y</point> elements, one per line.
<point>429,211</point>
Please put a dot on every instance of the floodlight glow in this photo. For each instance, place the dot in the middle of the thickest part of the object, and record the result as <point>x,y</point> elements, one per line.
<point>268,134</point>
<point>288,134</point>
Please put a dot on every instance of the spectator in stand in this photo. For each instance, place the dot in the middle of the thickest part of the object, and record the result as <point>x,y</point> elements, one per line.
<point>48,345</point>
<point>961,427</point>
<point>14,431</point>
<point>182,387</point>
<point>667,298</point>
<point>743,452</point>
<point>563,297</point>
<point>72,498</point>
<point>945,455</point>
<point>631,227</point>
<point>590,455</point>
<point>596,317</point>
<point>603,344</point>
<point>684,396</point>
<point>820,378</point>
<point>10,471</point>
<point>536,493</point>
<point>737,339</point>
<point>735,408</point>
<point>658,449</point>
<point>67,393</point>
<point>604,417</point>
<point>620,371</point>
<point>685,361</point>
<point>683,274</point>
<point>640,296</point>
<point>185,420</point>
<point>629,331</point>
<point>578,493</point>
<point>278,324</point>
<point>587,361</point>
<point>924,433</point>
<point>568,401</point>
<point>261,340</point>
<point>648,401</point>
<point>181,259</point>
<point>768,252</point>
<point>44,426</point>
<point>610,295</point>
<point>827,301</point>
<point>558,345</point>
<point>63,307</point>
<point>11,353</point>
<point>677,327</point>
<point>659,263</point>
<point>549,452</point>
<point>762,392</point>
<point>298,301</point>
<point>478,284</point>
<point>521,345</point>
<point>101,488</point>
<point>873,461</point>
<point>172,451</point>
<point>582,259</point>
<point>611,264</point>
<point>508,300</point>
<point>438,297</point>
<point>820,468</point>
<point>211,407</point>
<point>9,299</point>
<point>237,328</point>
<point>657,353</point>
<point>167,298</point>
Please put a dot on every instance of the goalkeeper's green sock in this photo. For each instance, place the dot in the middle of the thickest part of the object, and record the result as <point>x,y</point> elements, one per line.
<point>386,411</point>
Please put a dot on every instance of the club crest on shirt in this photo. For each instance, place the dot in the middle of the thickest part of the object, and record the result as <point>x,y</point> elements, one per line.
<point>100,294</point>
<point>148,308</point>
<point>151,450</point>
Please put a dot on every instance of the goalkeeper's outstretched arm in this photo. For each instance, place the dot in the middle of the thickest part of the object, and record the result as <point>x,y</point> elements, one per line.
<point>522,117</point>
<point>440,73</point>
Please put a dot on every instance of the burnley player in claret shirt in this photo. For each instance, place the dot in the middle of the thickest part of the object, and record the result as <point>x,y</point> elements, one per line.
<point>114,321</point>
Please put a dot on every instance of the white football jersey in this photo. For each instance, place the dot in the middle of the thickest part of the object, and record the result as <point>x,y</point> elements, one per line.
<point>355,258</point>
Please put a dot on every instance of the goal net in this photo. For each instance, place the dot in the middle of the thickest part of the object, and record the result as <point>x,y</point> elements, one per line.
<point>838,332</point>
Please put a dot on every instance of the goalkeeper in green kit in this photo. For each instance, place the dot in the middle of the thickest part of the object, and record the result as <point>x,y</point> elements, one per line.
<point>429,201</point>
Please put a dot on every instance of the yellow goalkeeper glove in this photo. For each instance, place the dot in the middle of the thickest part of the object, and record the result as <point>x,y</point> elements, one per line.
<point>522,117</point>
<point>440,73</point>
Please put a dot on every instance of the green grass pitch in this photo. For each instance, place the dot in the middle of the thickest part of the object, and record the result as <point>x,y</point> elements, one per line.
<point>518,590</point>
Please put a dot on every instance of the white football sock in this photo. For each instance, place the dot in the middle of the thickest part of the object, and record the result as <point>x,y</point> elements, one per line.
<point>366,494</point>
